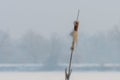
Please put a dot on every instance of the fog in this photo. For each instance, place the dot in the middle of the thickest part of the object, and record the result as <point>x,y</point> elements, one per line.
<point>38,31</point>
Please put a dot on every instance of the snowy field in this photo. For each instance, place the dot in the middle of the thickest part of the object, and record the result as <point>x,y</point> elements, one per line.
<point>59,76</point>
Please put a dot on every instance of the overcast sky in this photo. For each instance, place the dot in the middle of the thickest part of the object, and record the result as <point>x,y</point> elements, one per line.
<point>49,16</point>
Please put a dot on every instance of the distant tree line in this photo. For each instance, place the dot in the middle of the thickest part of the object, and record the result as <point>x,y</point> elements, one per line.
<point>102,47</point>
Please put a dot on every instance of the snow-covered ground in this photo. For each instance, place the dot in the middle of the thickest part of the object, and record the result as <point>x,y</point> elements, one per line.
<point>59,76</point>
